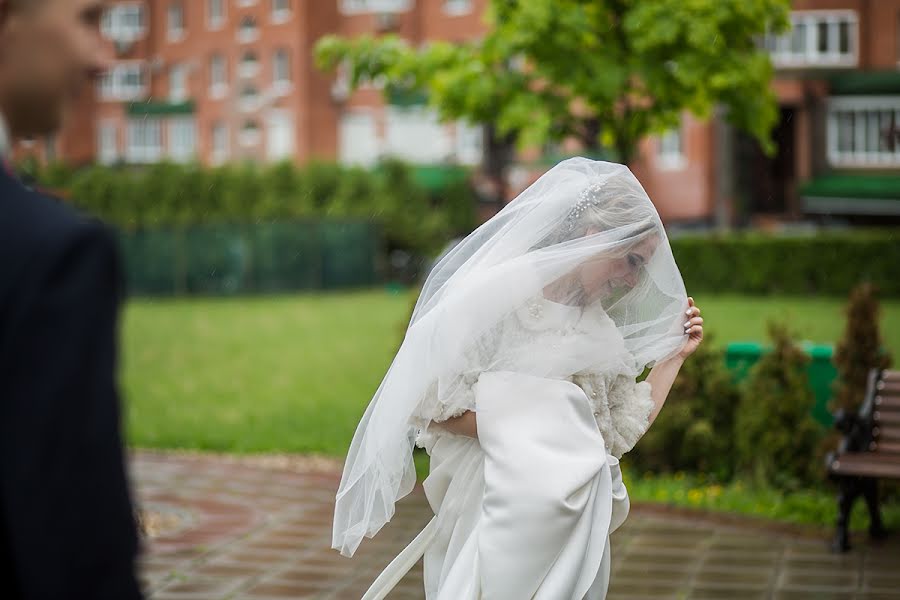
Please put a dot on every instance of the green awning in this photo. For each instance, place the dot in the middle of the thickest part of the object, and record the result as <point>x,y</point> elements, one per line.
<point>853,185</point>
<point>852,194</point>
<point>157,109</point>
<point>435,178</point>
<point>865,82</point>
<point>397,96</point>
<point>551,159</point>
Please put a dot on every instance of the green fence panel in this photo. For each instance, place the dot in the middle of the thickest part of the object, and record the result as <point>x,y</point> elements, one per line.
<point>286,256</point>
<point>225,259</point>
<point>821,373</point>
<point>347,254</point>
<point>151,259</point>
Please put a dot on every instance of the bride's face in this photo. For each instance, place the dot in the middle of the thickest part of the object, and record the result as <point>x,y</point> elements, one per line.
<point>601,276</point>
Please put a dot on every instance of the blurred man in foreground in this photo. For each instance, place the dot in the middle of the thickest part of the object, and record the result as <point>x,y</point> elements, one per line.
<point>66,523</point>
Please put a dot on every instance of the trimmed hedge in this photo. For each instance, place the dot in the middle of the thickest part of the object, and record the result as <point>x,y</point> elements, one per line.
<point>169,195</point>
<point>830,263</point>
<point>421,221</point>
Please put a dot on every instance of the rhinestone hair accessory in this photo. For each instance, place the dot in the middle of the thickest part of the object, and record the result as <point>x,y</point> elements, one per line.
<point>589,196</point>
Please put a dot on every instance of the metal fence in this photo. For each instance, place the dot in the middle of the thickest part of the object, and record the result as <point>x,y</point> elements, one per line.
<point>258,258</point>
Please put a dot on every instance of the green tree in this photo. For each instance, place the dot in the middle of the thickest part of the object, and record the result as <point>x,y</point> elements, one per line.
<point>604,72</point>
<point>775,435</point>
<point>860,349</point>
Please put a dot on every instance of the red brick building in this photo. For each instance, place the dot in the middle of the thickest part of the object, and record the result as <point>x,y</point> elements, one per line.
<point>223,80</point>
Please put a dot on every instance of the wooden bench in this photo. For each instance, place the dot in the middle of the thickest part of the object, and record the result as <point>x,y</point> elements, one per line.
<point>869,451</point>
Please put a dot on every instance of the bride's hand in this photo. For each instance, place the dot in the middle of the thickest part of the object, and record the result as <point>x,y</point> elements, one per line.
<point>464,424</point>
<point>693,328</point>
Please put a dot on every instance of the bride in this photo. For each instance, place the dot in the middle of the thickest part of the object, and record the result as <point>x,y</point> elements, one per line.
<point>519,376</point>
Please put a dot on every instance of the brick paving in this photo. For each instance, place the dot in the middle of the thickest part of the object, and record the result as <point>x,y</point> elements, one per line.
<point>234,531</point>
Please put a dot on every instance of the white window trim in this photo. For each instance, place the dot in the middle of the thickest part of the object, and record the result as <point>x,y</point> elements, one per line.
<point>361,7</point>
<point>457,8</point>
<point>181,95</point>
<point>175,153</point>
<point>250,138</point>
<point>281,87</point>
<point>175,35</point>
<point>812,58</point>
<point>218,89</point>
<point>247,36</point>
<point>282,15</point>
<point>287,119</point>
<point>108,158</point>
<point>118,94</point>
<point>248,69</point>
<point>859,158</point>
<point>219,155</point>
<point>144,154</point>
<point>126,35</point>
<point>667,160</point>
<point>344,156</point>
<point>246,2</point>
<point>252,103</point>
<point>215,24</point>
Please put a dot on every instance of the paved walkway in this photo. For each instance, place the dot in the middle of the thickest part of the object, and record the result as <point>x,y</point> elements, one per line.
<point>229,530</point>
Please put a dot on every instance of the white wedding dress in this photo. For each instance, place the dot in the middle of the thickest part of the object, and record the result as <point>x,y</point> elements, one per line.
<point>526,510</point>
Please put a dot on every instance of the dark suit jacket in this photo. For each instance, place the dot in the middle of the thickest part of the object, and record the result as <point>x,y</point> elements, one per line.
<point>66,523</point>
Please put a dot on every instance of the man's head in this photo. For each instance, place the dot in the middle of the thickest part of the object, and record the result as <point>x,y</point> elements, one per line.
<point>49,50</point>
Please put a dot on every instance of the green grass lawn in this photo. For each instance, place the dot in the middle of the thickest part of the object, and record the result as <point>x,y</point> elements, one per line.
<point>294,373</point>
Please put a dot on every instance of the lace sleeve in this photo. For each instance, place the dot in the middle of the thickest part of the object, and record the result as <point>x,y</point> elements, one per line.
<point>622,408</point>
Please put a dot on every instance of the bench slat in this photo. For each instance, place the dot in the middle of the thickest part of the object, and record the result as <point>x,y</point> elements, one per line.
<point>886,417</point>
<point>887,402</point>
<point>890,375</point>
<point>867,464</point>
<point>887,433</point>
<point>886,448</point>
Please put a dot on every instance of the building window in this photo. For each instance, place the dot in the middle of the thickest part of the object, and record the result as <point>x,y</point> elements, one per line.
<point>250,134</point>
<point>249,64</point>
<point>124,22</point>
<point>281,70</point>
<point>358,142</point>
<point>457,7</point>
<point>818,38</point>
<point>215,13</point>
<point>108,143</point>
<point>280,135</point>
<point>181,138</point>
<point>469,143</point>
<point>175,25</point>
<point>246,2</point>
<point>144,141</point>
<point>670,151</point>
<point>248,31</point>
<point>124,81</point>
<point>355,7</point>
<point>281,10</point>
<point>863,131</point>
<point>220,147</point>
<point>178,83</point>
<point>218,76</point>
<point>416,134</point>
<point>250,99</point>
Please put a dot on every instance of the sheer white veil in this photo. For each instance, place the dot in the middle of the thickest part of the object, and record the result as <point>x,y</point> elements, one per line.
<point>586,235</point>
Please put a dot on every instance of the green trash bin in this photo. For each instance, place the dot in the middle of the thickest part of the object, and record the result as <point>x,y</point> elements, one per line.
<point>821,373</point>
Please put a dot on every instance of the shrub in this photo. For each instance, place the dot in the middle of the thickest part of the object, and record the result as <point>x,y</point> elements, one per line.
<point>776,437</point>
<point>695,430</point>
<point>859,350</point>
